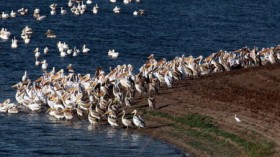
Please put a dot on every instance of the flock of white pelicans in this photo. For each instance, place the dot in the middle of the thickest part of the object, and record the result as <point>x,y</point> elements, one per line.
<point>65,94</point>
<point>77,7</point>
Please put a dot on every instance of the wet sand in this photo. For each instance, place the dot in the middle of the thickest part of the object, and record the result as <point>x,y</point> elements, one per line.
<point>253,94</point>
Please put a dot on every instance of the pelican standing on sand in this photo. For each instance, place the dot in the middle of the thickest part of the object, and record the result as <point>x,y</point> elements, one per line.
<point>151,102</point>
<point>137,120</point>
<point>126,122</point>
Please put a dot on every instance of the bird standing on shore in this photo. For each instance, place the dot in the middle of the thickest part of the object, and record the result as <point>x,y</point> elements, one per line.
<point>137,120</point>
<point>151,102</point>
<point>236,118</point>
<point>126,122</point>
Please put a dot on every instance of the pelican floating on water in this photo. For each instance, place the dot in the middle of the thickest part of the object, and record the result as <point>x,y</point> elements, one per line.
<point>113,54</point>
<point>117,10</point>
<point>63,11</point>
<point>95,9</point>
<point>85,49</point>
<point>44,65</point>
<point>50,34</point>
<point>4,34</point>
<point>89,2</point>
<point>13,14</point>
<point>14,43</point>
<point>46,50</point>
<point>135,13</point>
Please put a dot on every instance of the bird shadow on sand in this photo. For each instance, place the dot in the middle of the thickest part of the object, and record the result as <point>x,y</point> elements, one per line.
<point>142,106</point>
<point>158,126</point>
<point>160,107</point>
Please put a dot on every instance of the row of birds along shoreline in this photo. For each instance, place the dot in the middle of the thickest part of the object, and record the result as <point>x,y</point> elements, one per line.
<point>65,94</point>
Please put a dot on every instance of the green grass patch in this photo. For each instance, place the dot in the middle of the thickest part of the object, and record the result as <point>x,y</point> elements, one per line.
<point>206,128</point>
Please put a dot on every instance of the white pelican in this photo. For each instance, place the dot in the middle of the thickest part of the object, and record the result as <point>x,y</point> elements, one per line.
<point>151,102</point>
<point>53,12</point>
<point>13,14</point>
<point>50,34</point>
<point>14,43</point>
<point>70,4</point>
<point>13,109</point>
<point>53,6</point>
<point>4,106</point>
<point>62,11</point>
<point>113,1</point>
<point>40,17</point>
<point>89,2</point>
<point>75,52</point>
<point>34,106</point>
<point>112,121</point>
<point>4,34</point>
<point>68,114</point>
<point>26,40</point>
<point>58,114</point>
<point>117,10</point>
<point>236,118</point>
<point>51,111</point>
<point>5,16</point>
<point>137,120</point>
<point>44,65</point>
<point>95,10</point>
<point>37,11</point>
<point>92,120</point>
<point>141,12</point>
<point>113,54</point>
<point>85,49</point>
<point>22,11</point>
<point>27,30</point>
<point>79,112</point>
<point>69,51</point>
<point>83,6</point>
<point>126,122</point>
<point>37,62</point>
<point>63,53</point>
<point>24,77</point>
<point>37,53</point>
<point>126,1</point>
<point>46,50</point>
<point>135,13</point>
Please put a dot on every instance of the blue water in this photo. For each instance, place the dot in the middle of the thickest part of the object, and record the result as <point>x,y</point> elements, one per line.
<point>40,135</point>
<point>170,28</point>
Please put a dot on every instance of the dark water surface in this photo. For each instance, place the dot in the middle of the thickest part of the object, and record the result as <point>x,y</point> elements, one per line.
<point>170,28</point>
<point>40,135</point>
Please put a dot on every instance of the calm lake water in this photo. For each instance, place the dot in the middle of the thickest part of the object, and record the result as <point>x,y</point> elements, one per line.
<point>169,29</point>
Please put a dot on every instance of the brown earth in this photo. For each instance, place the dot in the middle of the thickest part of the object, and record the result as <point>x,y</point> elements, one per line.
<point>253,94</point>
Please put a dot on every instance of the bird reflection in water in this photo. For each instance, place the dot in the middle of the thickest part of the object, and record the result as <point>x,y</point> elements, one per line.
<point>111,132</point>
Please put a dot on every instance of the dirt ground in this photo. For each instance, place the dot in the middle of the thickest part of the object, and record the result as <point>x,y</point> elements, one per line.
<point>253,94</point>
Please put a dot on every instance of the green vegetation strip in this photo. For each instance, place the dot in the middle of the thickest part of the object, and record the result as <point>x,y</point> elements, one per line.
<point>254,148</point>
